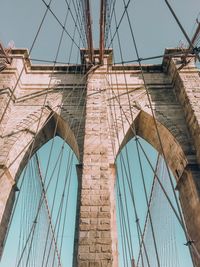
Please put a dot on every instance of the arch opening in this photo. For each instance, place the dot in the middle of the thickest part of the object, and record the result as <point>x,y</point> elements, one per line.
<point>54,125</point>
<point>43,218</point>
<point>149,232</point>
<point>175,150</point>
<point>22,146</point>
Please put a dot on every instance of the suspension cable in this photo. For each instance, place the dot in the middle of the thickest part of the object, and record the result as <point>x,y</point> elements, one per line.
<point>183,30</point>
<point>60,23</point>
<point>20,75</point>
<point>155,122</point>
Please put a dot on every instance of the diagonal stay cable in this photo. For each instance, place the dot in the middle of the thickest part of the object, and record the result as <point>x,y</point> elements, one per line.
<point>23,68</point>
<point>134,133</point>
<point>183,30</point>
<point>58,218</point>
<point>170,202</point>
<point>56,57</point>
<point>59,45</point>
<point>158,133</point>
<point>60,23</point>
<point>138,60</point>
<point>122,230</point>
<point>110,22</point>
<point>32,229</point>
<point>80,19</point>
<point>32,146</point>
<point>75,20</point>
<point>64,192</point>
<point>129,184</point>
<point>119,23</point>
<point>173,54</point>
<point>36,131</point>
<point>47,188</point>
<point>48,211</point>
<point>128,243</point>
<point>148,208</point>
<point>127,174</point>
<point>165,193</point>
<point>156,128</point>
<point>53,204</point>
<point>146,199</point>
<point>33,226</point>
<point>162,187</point>
<point>67,199</point>
<point>32,140</point>
<point>127,220</point>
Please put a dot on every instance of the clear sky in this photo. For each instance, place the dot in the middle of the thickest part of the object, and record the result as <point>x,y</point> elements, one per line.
<point>154,27</point>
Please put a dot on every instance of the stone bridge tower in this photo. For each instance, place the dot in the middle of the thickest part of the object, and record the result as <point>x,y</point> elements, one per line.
<point>96,111</point>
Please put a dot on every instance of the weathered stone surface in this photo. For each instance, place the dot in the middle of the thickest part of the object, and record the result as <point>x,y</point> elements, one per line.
<point>97,114</point>
<point>7,196</point>
<point>97,178</point>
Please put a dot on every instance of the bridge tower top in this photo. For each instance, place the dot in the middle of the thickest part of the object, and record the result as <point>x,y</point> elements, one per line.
<point>107,57</point>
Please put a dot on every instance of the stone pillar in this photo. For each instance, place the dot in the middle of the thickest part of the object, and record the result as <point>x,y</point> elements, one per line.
<point>79,170</point>
<point>189,199</point>
<point>97,241</point>
<point>186,82</point>
<point>7,197</point>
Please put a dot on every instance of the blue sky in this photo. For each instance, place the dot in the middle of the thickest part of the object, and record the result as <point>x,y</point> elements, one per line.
<point>154,26</point>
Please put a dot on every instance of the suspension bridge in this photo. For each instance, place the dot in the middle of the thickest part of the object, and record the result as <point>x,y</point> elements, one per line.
<point>80,184</point>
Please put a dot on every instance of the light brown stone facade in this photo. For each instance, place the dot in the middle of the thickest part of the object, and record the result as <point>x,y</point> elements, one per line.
<point>97,113</point>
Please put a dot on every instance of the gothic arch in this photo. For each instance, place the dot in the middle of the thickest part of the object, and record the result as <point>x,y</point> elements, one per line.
<point>55,126</point>
<point>185,172</point>
<point>145,127</point>
<point>22,150</point>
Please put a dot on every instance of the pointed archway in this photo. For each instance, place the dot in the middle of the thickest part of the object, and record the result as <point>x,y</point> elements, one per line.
<point>22,149</point>
<point>177,157</point>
